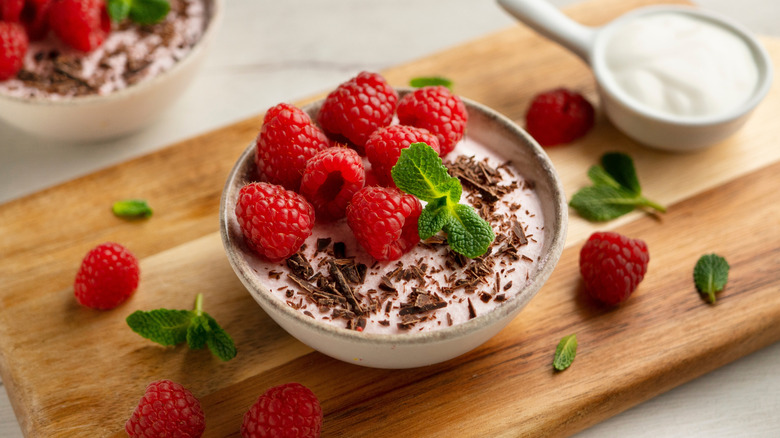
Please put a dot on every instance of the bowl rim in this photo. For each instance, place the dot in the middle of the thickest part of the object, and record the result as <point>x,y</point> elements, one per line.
<point>509,307</point>
<point>212,26</point>
<point>610,87</point>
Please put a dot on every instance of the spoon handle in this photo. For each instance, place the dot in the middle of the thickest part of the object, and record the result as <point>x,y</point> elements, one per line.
<point>553,24</point>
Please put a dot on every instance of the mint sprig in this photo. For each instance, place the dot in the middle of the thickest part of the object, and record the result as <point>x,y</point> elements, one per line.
<point>615,190</point>
<point>430,81</point>
<point>173,327</point>
<point>710,275</point>
<point>139,11</point>
<point>420,172</point>
<point>132,208</point>
<point>565,352</point>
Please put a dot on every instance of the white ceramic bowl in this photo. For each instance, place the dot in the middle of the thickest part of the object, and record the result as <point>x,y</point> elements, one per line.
<point>662,131</point>
<point>413,349</point>
<point>94,118</point>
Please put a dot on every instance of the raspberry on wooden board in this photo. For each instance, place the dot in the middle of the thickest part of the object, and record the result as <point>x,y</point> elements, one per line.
<point>559,116</point>
<point>108,275</point>
<point>167,409</point>
<point>612,266</point>
<point>290,410</point>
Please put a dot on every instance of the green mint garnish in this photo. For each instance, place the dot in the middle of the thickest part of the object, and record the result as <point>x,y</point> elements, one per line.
<point>139,11</point>
<point>430,81</point>
<point>132,208</point>
<point>173,327</point>
<point>615,190</point>
<point>710,275</point>
<point>565,352</point>
<point>420,172</point>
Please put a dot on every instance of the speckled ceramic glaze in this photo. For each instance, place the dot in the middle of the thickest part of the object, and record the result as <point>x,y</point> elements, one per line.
<point>414,349</point>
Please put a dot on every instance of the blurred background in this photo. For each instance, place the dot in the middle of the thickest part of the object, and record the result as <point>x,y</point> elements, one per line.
<point>272,51</point>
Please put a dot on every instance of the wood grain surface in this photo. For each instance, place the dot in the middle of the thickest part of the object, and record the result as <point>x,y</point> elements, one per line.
<point>71,371</point>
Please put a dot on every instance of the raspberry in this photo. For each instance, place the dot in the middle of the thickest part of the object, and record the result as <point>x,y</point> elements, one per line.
<point>612,266</point>
<point>330,179</point>
<point>290,410</point>
<point>558,116</point>
<point>35,18</point>
<point>384,147</point>
<point>384,221</point>
<point>358,107</point>
<point>274,221</point>
<point>107,277</point>
<point>11,10</point>
<point>437,110</point>
<point>13,46</point>
<point>167,409</point>
<point>287,140</point>
<point>81,24</point>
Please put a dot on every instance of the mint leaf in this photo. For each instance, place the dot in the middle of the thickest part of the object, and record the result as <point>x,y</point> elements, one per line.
<point>149,11</point>
<point>615,190</point>
<point>467,232</point>
<point>710,275</point>
<point>565,352</point>
<point>430,81</point>
<point>433,218</point>
<point>621,168</point>
<point>198,332</point>
<point>219,342</point>
<point>600,177</point>
<point>132,208</point>
<point>601,203</point>
<point>173,327</point>
<point>166,327</point>
<point>118,9</point>
<point>420,172</point>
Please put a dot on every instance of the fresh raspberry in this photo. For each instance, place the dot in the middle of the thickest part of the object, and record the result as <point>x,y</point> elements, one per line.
<point>384,147</point>
<point>384,221</point>
<point>81,24</point>
<point>11,10</point>
<point>13,46</point>
<point>290,410</point>
<point>274,221</point>
<point>559,116</point>
<point>167,409</point>
<point>35,18</point>
<point>612,266</point>
<point>286,141</point>
<point>107,277</point>
<point>330,180</point>
<point>437,110</point>
<point>358,107</point>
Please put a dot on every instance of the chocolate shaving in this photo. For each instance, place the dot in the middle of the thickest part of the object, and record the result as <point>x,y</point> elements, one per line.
<point>340,250</point>
<point>449,319</point>
<point>517,230</point>
<point>300,266</point>
<point>472,312</point>
<point>386,285</point>
<point>322,244</point>
<point>344,288</point>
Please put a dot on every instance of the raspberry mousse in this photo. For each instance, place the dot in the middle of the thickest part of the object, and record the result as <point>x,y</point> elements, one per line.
<point>129,54</point>
<point>333,280</point>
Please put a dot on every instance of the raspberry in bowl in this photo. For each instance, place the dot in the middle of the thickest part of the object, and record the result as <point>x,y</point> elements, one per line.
<point>82,75</point>
<point>367,290</point>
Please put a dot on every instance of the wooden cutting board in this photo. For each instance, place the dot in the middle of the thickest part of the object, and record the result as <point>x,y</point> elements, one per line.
<point>71,371</point>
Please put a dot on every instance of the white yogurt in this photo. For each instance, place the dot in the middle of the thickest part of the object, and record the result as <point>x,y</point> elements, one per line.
<point>680,65</point>
<point>508,279</point>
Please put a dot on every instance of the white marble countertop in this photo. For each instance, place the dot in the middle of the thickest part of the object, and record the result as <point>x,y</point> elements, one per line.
<point>268,52</point>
